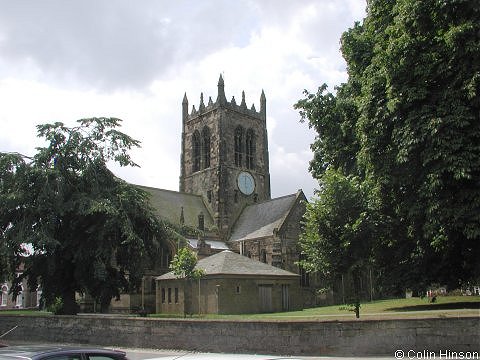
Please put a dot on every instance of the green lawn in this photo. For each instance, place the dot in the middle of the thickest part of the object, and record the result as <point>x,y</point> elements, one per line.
<point>24,312</point>
<point>444,306</point>
<point>413,307</point>
<point>392,306</point>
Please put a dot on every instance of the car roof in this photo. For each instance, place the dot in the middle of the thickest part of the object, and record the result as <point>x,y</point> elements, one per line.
<point>36,351</point>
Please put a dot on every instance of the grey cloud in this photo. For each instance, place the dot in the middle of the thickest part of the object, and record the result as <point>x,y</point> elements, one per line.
<point>116,44</point>
<point>124,44</point>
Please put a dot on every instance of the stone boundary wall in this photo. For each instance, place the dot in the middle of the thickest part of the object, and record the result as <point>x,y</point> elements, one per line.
<point>333,338</point>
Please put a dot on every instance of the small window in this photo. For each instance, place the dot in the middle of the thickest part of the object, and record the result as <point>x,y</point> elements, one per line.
<point>238,289</point>
<point>163,295</point>
<point>209,196</point>
<point>263,256</point>
<point>176,295</point>
<point>169,295</point>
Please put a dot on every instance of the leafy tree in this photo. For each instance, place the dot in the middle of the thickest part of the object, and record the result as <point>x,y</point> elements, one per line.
<point>409,120</point>
<point>88,230</point>
<point>340,228</point>
<point>183,266</point>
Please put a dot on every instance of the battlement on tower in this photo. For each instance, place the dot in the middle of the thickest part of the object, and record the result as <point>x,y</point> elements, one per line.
<point>221,102</point>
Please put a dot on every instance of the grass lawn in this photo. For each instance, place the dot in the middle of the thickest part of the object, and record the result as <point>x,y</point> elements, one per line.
<point>445,306</point>
<point>24,312</point>
<point>393,308</point>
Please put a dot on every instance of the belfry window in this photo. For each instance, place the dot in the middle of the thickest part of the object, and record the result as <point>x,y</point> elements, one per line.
<point>239,146</point>
<point>250,149</point>
<point>206,147</point>
<point>196,151</point>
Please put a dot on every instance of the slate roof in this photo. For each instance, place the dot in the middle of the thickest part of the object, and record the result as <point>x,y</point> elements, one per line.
<point>230,263</point>
<point>260,220</point>
<point>168,205</point>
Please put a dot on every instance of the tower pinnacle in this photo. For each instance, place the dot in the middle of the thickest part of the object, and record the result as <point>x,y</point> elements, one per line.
<point>221,91</point>
<point>184,108</point>
<point>263,106</point>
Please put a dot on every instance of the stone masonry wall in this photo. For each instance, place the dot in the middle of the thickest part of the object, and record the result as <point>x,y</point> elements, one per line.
<point>344,338</point>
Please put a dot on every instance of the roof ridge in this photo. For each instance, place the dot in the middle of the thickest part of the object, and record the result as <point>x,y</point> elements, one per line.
<point>167,190</point>
<point>270,200</point>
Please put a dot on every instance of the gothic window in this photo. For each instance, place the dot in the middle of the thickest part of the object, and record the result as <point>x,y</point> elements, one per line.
<point>206,147</point>
<point>250,148</point>
<point>196,151</point>
<point>19,298</point>
<point>39,295</point>
<point>238,146</point>
<point>4,295</point>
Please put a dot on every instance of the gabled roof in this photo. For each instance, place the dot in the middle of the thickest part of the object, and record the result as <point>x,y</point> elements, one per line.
<point>168,205</point>
<point>230,263</point>
<point>260,220</point>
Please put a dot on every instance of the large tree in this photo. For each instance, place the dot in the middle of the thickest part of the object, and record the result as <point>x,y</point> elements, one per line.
<point>84,229</point>
<point>408,119</point>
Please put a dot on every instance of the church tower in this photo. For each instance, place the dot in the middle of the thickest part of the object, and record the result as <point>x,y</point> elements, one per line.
<point>224,156</point>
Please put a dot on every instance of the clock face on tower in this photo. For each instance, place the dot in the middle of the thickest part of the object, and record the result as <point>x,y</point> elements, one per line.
<point>246,183</point>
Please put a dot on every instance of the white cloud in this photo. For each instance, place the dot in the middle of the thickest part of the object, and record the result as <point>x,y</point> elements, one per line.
<point>64,62</point>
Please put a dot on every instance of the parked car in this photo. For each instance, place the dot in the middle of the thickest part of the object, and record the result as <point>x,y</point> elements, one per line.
<point>54,352</point>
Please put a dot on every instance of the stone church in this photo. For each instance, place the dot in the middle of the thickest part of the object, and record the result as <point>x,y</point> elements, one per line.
<point>225,190</point>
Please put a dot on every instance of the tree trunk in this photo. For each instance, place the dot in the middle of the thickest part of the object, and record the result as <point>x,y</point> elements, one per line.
<point>69,306</point>
<point>105,304</point>
<point>356,290</point>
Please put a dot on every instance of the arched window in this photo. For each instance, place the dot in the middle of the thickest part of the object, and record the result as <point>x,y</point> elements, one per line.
<point>196,151</point>
<point>39,296</point>
<point>238,146</point>
<point>4,295</point>
<point>19,299</point>
<point>250,149</point>
<point>206,147</point>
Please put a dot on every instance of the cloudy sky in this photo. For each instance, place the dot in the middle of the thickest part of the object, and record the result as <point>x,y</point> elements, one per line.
<point>63,60</point>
